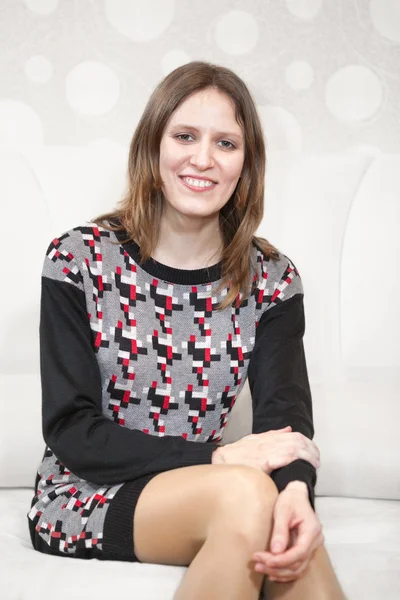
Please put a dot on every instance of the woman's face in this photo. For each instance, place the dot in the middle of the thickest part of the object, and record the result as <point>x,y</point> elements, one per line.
<point>203,141</point>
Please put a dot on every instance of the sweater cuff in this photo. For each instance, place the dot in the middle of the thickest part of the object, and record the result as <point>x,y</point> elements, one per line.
<point>200,454</point>
<point>300,470</point>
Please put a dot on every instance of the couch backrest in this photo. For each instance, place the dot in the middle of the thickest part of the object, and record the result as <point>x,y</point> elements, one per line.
<point>336,216</point>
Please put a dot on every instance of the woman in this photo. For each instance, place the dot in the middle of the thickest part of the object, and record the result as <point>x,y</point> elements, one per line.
<point>152,316</point>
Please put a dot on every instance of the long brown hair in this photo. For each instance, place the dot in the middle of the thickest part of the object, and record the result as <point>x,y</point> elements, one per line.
<point>141,207</point>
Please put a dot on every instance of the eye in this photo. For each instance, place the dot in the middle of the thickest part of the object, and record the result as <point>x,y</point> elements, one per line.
<point>228,142</point>
<point>183,135</point>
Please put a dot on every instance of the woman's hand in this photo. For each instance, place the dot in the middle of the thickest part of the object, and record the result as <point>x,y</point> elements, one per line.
<point>297,532</point>
<point>269,451</point>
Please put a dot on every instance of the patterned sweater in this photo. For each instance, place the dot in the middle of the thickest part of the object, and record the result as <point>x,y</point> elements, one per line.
<point>139,373</point>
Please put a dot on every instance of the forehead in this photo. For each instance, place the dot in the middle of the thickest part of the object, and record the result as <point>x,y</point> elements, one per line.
<point>206,106</point>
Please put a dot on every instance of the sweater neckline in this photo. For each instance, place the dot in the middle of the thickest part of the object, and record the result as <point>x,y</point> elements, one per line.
<point>167,273</point>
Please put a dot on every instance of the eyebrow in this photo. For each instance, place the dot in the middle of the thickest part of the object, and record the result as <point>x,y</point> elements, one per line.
<point>227,133</point>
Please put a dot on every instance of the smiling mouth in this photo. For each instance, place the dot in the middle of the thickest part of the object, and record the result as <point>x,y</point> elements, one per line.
<point>197,184</point>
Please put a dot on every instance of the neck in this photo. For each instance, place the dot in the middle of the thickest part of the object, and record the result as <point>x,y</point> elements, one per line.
<point>189,243</point>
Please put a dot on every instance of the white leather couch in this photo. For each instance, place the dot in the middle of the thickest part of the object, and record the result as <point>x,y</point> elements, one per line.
<point>337,216</point>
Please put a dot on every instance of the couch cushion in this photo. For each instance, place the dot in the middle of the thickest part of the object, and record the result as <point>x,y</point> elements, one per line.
<point>362,538</point>
<point>67,577</point>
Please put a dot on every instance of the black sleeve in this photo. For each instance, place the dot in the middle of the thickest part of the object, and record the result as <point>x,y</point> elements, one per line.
<point>88,443</point>
<point>279,385</point>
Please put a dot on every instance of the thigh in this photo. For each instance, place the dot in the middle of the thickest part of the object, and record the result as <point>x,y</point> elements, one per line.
<point>176,508</point>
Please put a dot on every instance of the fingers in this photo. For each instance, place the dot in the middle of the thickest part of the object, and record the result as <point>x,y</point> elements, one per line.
<point>296,554</point>
<point>287,575</point>
<point>297,446</point>
<point>309,451</point>
<point>312,449</point>
<point>307,444</point>
<point>289,572</point>
<point>297,569</point>
<point>278,571</point>
<point>311,457</point>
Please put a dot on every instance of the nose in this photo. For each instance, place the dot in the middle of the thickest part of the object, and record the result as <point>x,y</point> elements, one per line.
<point>202,155</point>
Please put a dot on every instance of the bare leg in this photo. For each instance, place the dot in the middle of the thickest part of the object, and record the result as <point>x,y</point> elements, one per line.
<point>211,519</point>
<point>319,582</point>
<point>220,570</point>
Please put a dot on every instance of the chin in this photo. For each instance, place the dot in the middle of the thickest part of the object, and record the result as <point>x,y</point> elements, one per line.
<point>195,213</point>
<point>193,209</point>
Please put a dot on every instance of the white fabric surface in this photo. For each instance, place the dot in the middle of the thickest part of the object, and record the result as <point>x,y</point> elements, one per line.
<point>361,536</point>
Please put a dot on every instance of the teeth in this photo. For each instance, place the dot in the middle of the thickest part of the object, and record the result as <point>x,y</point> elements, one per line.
<point>197,182</point>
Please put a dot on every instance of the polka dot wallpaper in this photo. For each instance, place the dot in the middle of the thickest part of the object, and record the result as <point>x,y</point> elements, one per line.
<point>325,74</point>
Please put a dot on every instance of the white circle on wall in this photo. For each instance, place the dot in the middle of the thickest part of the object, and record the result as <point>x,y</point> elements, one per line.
<point>38,69</point>
<point>92,88</point>
<point>299,75</point>
<point>353,93</point>
<point>304,9</point>
<point>42,7</point>
<point>19,124</point>
<point>282,131</point>
<point>140,21</point>
<point>173,59</point>
<point>385,16</point>
<point>236,32</point>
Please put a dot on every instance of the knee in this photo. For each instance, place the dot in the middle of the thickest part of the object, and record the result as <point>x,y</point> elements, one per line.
<point>255,485</point>
<point>248,495</point>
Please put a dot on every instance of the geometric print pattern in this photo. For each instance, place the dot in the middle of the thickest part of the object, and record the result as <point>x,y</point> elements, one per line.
<point>67,518</point>
<point>170,364</point>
